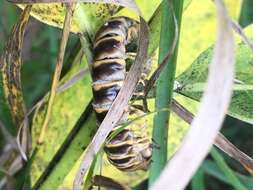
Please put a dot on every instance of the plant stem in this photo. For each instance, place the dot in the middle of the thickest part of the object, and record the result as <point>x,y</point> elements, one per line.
<point>197,182</point>
<point>57,72</point>
<point>164,87</point>
<point>233,180</point>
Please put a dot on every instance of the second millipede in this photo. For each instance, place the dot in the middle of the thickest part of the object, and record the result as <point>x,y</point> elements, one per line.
<point>126,151</point>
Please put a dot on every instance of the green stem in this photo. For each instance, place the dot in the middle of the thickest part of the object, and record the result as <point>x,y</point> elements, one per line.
<point>246,16</point>
<point>164,87</point>
<point>233,180</point>
<point>197,182</point>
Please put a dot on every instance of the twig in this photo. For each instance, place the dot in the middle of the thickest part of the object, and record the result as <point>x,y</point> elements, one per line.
<point>221,141</point>
<point>57,73</point>
<point>75,78</point>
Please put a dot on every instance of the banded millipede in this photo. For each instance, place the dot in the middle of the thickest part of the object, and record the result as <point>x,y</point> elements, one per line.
<point>127,151</point>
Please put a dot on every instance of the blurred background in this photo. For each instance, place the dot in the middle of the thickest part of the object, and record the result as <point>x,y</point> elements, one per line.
<point>42,42</point>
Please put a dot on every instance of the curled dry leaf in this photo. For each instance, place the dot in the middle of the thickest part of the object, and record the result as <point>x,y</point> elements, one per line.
<point>117,108</point>
<point>237,28</point>
<point>165,61</point>
<point>213,108</point>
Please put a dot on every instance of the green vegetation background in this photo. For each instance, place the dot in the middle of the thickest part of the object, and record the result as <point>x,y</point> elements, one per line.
<point>198,33</point>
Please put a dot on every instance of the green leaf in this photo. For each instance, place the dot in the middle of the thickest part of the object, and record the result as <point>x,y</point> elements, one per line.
<point>23,176</point>
<point>67,157</point>
<point>246,15</point>
<point>53,14</point>
<point>211,168</point>
<point>165,83</point>
<point>198,182</point>
<point>186,4</point>
<point>192,82</point>
<point>67,108</point>
<point>232,178</point>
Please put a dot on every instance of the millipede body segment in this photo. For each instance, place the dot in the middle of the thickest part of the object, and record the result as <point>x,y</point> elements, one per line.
<point>126,150</point>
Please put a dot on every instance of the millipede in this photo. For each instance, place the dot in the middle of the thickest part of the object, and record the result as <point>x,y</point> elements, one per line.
<point>126,151</point>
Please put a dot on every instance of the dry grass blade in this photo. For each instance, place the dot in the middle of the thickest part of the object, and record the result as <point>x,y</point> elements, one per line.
<point>182,112</point>
<point>226,146</point>
<point>57,73</point>
<point>117,109</point>
<point>208,121</point>
<point>221,142</point>
<point>63,87</point>
<point>24,127</point>
<point>106,182</point>
<point>244,37</point>
<point>68,84</point>
<point>21,136</point>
